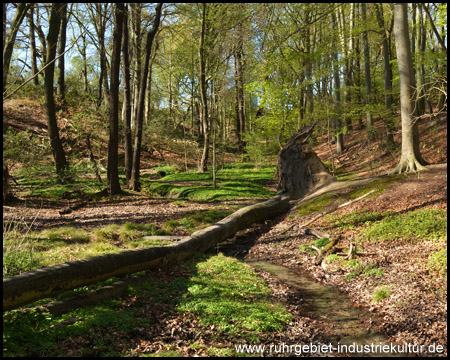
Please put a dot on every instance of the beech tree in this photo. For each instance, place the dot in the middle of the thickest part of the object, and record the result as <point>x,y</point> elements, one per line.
<point>135,172</point>
<point>411,160</point>
<point>49,74</point>
<point>113,174</point>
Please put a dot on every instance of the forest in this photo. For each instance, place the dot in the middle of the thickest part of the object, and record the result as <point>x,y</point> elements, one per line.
<point>224,179</point>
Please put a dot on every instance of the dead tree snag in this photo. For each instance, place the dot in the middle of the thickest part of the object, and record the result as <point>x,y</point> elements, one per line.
<point>299,168</point>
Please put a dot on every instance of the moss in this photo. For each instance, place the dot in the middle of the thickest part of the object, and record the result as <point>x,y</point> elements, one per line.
<point>315,205</point>
<point>381,293</point>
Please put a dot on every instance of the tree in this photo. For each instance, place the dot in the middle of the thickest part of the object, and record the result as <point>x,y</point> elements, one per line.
<point>61,48</point>
<point>411,160</point>
<point>337,97</point>
<point>389,117</point>
<point>369,125</point>
<point>113,174</point>
<point>135,175</point>
<point>8,46</point>
<point>126,113</point>
<point>203,98</point>
<point>55,141</point>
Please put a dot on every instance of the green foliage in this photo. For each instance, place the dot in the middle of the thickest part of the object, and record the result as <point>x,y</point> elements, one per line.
<point>230,295</point>
<point>422,224</point>
<point>18,251</point>
<point>321,242</point>
<point>221,291</point>
<point>370,270</point>
<point>356,218</point>
<point>235,181</point>
<point>333,258</point>
<point>437,261</point>
<point>381,293</point>
<point>314,205</point>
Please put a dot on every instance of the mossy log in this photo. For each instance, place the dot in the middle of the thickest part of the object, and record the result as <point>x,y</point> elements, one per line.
<point>47,282</point>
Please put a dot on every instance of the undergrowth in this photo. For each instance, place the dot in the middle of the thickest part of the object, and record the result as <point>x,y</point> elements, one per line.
<point>224,295</point>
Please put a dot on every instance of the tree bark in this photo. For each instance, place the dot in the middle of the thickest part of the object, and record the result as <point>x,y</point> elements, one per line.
<point>369,125</point>
<point>135,176</point>
<point>203,96</point>
<point>299,168</point>
<point>34,67</point>
<point>61,48</point>
<point>389,117</point>
<point>113,145</point>
<point>411,160</point>
<point>55,141</point>
<point>127,101</point>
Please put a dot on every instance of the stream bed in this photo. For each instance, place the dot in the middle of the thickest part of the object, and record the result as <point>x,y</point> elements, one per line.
<point>329,305</point>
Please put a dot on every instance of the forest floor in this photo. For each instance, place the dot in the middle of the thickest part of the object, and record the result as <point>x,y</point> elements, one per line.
<point>415,313</point>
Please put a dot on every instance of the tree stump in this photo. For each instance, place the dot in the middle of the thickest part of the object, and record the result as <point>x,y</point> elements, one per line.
<point>299,168</point>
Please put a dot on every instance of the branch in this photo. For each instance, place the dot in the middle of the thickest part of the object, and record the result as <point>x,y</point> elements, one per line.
<point>40,71</point>
<point>425,6</point>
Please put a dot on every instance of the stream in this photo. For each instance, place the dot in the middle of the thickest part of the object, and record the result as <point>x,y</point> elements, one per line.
<point>329,305</point>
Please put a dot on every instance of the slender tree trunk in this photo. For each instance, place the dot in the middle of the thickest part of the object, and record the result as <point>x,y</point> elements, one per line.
<point>22,9</point>
<point>203,96</point>
<point>411,160</point>
<point>113,145</point>
<point>135,173</point>
<point>34,67</point>
<point>136,41</point>
<point>337,96</point>
<point>370,129</point>
<point>389,117</point>
<point>61,48</point>
<point>420,103</point>
<point>55,141</point>
<point>127,101</point>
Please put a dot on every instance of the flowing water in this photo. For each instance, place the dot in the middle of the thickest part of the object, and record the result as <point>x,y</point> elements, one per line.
<point>328,305</point>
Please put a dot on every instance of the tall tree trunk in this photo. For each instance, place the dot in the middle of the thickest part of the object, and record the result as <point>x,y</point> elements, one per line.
<point>22,9</point>
<point>337,96</point>
<point>61,47</point>
<point>127,101</point>
<point>370,129</point>
<point>136,42</point>
<point>135,173</point>
<point>411,160</point>
<point>420,93</point>
<point>389,117</point>
<point>34,67</point>
<point>203,96</point>
<point>113,145</point>
<point>55,141</point>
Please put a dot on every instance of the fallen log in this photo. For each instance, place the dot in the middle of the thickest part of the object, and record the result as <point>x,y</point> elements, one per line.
<point>47,282</point>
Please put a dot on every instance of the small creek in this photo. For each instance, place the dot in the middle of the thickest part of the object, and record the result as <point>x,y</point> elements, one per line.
<point>327,304</point>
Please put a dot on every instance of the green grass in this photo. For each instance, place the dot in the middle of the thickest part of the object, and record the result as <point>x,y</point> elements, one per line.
<point>418,225</point>
<point>437,262</point>
<point>381,293</point>
<point>230,295</point>
<point>27,251</point>
<point>40,181</point>
<point>215,290</point>
<point>315,205</point>
<point>235,181</point>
